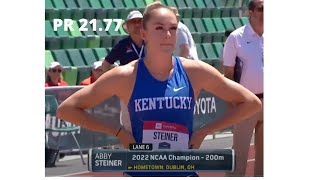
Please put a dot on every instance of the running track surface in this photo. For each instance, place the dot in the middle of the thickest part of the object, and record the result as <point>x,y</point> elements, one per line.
<point>249,172</point>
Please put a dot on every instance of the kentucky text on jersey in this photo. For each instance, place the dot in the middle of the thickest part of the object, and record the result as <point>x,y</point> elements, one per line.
<point>146,104</point>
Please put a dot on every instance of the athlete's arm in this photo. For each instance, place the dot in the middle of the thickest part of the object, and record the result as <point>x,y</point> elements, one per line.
<point>113,82</point>
<point>204,76</point>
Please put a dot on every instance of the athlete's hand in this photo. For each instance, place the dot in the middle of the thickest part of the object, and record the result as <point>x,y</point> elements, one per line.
<point>126,138</point>
<point>197,138</point>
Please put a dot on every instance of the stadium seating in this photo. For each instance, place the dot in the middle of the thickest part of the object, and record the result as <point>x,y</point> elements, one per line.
<point>81,42</point>
<point>95,4</point>
<point>88,56</point>
<point>70,75</point>
<point>52,43</point>
<point>227,23</point>
<point>48,58</point>
<point>206,19</point>
<point>201,54</point>
<point>100,52</point>
<point>61,56</point>
<point>83,73</point>
<point>209,51</point>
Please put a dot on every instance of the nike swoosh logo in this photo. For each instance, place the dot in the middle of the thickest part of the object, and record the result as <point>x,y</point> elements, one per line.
<point>248,42</point>
<point>178,89</point>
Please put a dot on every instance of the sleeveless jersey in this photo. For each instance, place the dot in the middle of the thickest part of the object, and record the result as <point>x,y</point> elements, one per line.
<point>161,112</point>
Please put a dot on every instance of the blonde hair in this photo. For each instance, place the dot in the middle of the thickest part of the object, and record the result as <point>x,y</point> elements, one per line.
<point>148,10</point>
<point>175,10</point>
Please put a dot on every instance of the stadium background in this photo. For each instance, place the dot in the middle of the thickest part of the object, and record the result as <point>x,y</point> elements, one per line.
<point>77,51</point>
<point>207,20</point>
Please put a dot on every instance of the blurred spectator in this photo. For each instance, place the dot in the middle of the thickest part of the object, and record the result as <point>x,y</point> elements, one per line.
<point>245,45</point>
<point>129,48</point>
<point>95,73</point>
<point>226,35</point>
<point>185,46</point>
<point>54,75</point>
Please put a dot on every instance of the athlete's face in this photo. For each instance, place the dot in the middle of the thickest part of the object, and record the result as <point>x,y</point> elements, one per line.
<point>161,29</point>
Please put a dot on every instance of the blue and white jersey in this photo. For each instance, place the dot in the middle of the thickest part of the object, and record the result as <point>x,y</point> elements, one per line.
<point>161,112</point>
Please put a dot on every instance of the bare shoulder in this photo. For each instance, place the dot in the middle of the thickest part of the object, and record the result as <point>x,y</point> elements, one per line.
<point>200,73</point>
<point>194,67</point>
<point>130,67</point>
<point>189,63</point>
<point>119,76</point>
<point>121,73</point>
<point>117,81</point>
